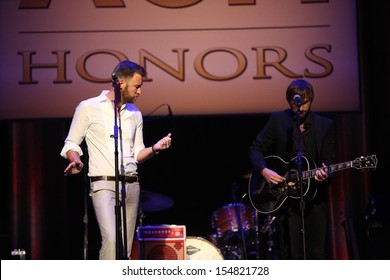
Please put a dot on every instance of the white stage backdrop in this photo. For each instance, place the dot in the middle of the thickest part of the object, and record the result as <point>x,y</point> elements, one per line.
<point>202,56</point>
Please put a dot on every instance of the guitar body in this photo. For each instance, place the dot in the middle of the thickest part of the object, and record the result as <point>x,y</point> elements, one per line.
<point>268,198</point>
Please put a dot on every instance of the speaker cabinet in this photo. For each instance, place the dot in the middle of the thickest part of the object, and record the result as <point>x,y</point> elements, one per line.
<point>161,242</point>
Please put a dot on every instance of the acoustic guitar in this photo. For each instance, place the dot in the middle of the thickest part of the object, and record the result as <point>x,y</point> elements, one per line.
<point>268,198</point>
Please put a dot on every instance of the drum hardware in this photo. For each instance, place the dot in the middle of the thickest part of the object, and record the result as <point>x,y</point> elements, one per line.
<point>267,223</point>
<point>238,227</point>
<point>265,228</point>
<point>264,231</point>
<point>268,230</point>
<point>230,251</point>
<point>234,252</point>
<point>263,241</point>
<point>231,220</point>
<point>235,229</point>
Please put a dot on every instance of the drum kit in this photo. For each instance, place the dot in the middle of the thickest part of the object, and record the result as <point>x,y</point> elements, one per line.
<point>234,224</point>
<point>235,230</point>
<point>237,227</point>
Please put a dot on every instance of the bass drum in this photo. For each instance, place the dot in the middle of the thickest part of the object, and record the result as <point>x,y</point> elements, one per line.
<point>198,248</point>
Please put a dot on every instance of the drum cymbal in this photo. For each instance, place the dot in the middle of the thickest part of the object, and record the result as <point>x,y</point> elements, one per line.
<point>151,201</point>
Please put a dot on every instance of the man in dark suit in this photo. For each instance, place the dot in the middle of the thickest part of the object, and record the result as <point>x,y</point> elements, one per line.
<point>297,135</point>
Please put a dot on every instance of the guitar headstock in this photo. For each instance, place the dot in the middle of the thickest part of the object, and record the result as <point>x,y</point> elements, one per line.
<point>365,162</point>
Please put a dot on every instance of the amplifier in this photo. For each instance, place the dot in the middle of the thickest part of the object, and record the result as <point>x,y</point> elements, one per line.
<point>161,242</point>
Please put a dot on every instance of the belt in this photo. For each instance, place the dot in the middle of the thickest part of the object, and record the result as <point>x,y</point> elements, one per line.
<point>129,179</point>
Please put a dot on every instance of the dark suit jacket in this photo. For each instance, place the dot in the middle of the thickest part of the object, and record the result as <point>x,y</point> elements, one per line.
<point>277,138</point>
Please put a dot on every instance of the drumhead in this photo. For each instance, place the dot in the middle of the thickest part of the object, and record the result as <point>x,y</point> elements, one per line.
<point>198,248</point>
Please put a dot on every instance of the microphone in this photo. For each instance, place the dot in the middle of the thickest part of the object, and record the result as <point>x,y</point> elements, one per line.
<point>297,99</point>
<point>114,79</point>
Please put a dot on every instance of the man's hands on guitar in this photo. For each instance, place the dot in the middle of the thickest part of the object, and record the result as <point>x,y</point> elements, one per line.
<point>321,175</point>
<point>274,178</point>
<point>271,176</point>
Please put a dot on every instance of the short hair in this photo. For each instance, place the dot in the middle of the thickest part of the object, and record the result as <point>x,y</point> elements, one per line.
<point>127,68</point>
<point>301,87</point>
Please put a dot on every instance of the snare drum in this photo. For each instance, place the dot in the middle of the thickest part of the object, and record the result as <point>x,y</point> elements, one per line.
<point>198,248</point>
<point>231,219</point>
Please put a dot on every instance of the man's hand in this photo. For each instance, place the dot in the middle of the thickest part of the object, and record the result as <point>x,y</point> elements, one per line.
<point>271,176</point>
<point>321,175</point>
<point>73,168</point>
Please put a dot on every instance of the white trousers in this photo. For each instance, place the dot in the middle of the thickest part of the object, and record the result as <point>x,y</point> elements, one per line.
<point>104,201</point>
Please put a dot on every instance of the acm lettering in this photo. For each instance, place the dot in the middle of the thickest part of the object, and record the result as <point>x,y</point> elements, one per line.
<point>178,72</point>
<point>173,4</point>
<point>309,54</point>
<point>28,66</point>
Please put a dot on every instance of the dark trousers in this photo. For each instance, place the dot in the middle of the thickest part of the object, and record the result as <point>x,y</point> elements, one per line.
<point>287,236</point>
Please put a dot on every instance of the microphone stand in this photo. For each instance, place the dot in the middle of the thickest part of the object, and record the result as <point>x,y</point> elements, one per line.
<point>300,180</point>
<point>86,192</point>
<point>118,221</point>
<point>123,193</point>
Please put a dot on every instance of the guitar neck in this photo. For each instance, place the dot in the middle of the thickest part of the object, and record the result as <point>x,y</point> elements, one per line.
<point>328,169</point>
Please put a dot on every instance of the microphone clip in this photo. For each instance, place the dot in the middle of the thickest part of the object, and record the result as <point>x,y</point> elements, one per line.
<point>114,79</point>
<point>297,100</point>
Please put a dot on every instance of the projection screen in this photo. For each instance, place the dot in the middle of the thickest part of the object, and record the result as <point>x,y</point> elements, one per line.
<point>202,57</point>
